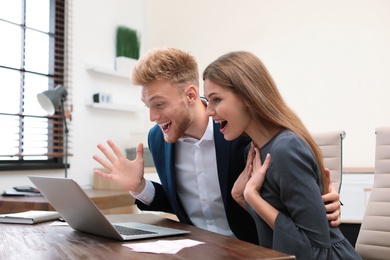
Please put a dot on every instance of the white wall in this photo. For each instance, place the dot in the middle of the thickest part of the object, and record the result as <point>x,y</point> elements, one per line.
<point>330,60</point>
<point>94,40</point>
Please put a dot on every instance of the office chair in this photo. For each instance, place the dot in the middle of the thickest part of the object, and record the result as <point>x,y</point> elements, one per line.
<point>331,145</point>
<point>373,241</point>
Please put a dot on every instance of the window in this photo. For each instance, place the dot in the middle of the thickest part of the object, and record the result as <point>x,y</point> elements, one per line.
<point>32,59</point>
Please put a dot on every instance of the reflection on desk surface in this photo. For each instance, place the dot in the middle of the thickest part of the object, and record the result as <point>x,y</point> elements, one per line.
<point>44,241</point>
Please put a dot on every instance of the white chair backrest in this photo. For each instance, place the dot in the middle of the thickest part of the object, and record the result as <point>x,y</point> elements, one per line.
<point>331,145</point>
<point>373,241</point>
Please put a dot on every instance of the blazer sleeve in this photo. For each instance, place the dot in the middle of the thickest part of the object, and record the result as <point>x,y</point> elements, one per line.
<point>156,147</point>
<point>159,203</point>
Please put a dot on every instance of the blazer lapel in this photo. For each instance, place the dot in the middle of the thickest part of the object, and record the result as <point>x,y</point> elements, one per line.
<point>170,169</point>
<point>171,175</point>
<point>222,148</point>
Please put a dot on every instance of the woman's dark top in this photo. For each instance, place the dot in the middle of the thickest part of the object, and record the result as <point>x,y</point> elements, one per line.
<point>293,186</point>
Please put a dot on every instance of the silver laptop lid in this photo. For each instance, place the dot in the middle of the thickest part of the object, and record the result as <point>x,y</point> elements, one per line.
<point>81,213</point>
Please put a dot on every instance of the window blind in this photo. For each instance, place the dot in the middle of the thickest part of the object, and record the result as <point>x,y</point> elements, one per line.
<point>33,57</point>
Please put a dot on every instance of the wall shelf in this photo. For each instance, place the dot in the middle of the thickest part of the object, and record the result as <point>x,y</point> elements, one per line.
<point>116,107</point>
<point>113,73</point>
<point>107,71</point>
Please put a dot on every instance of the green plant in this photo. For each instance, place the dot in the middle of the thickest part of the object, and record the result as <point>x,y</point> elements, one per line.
<point>127,43</point>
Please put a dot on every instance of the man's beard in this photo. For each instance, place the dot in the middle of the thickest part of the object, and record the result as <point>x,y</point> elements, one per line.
<point>180,128</point>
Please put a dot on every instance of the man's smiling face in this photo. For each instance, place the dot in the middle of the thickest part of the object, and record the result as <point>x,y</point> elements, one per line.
<point>168,107</point>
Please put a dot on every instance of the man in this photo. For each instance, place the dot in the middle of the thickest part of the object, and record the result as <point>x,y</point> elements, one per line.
<point>196,166</point>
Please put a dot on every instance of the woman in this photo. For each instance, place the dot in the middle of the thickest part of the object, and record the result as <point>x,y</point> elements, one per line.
<point>284,200</point>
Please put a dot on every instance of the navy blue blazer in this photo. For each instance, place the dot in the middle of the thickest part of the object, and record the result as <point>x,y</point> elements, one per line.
<point>230,163</point>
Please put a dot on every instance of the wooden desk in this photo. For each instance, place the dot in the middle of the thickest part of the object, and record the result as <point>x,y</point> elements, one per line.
<point>42,241</point>
<point>104,199</point>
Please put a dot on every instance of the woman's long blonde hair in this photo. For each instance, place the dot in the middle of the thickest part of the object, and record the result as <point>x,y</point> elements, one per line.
<point>244,74</point>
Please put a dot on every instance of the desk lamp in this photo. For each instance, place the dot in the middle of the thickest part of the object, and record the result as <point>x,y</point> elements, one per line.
<point>50,101</point>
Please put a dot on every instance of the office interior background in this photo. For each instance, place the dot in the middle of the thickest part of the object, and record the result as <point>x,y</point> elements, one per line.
<point>330,60</point>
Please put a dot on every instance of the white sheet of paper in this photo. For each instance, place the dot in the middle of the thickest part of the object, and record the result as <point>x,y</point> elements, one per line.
<point>59,223</point>
<point>163,246</point>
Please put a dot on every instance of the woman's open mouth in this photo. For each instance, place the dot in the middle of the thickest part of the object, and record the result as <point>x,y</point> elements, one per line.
<point>222,124</point>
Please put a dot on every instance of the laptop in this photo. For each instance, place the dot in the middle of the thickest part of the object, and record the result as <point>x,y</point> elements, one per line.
<point>81,213</point>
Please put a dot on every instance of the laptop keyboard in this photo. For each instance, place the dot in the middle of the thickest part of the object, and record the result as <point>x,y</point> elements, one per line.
<point>127,231</point>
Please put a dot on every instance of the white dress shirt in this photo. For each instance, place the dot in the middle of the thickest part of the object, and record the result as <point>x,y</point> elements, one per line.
<point>197,183</point>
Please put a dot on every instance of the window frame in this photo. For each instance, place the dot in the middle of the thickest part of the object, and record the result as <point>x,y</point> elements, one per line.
<point>57,69</point>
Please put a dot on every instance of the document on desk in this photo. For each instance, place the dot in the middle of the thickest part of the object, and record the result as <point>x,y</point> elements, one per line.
<point>29,217</point>
<point>163,246</point>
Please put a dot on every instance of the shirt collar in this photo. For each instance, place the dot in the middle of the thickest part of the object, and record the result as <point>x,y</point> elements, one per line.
<point>208,135</point>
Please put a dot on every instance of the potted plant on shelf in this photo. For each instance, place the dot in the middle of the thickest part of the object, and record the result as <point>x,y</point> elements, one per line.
<point>127,49</point>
